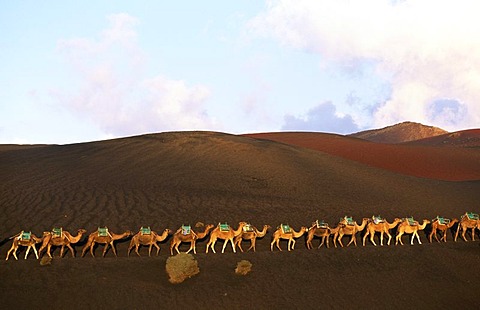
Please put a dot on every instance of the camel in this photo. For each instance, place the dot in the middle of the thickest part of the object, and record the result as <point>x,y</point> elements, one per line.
<point>102,235</point>
<point>65,239</point>
<point>191,237</point>
<point>251,235</point>
<point>147,237</point>
<point>26,239</point>
<point>349,229</point>
<point>382,227</point>
<point>285,232</point>
<point>323,232</point>
<point>405,227</point>
<point>467,221</point>
<point>443,227</point>
<point>227,234</point>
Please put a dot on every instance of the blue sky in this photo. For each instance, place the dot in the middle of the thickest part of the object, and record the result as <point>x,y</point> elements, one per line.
<point>74,72</point>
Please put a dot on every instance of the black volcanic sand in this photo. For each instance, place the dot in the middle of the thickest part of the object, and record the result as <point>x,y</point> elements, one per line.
<point>166,180</point>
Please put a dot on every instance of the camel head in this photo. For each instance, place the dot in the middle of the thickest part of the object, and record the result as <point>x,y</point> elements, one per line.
<point>82,231</point>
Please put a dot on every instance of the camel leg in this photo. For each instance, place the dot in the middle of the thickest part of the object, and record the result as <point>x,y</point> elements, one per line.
<point>340,240</point>
<point>389,238</point>
<point>176,247</point>
<point>372,239</point>
<point>399,239</point>
<point>158,248</point>
<point>473,234</point>
<point>418,237</point>
<point>105,249</point>
<point>381,238</point>
<point>353,239</point>
<point>92,245</point>
<point>293,244</point>
<point>239,244</point>
<point>456,234</point>
<point>192,247</point>
<point>137,246</point>
<point>224,245</point>
<point>444,238</point>
<point>35,251</point>
<point>12,249</point>
<point>365,237</point>
<point>252,245</point>
<point>49,247</point>
<point>271,245</point>
<point>464,231</point>
<point>277,243</point>
<point>113,249</point>
<point>28,250</point>
<point>233,245</point>
<point>71,250</point>
<point>322,242</point>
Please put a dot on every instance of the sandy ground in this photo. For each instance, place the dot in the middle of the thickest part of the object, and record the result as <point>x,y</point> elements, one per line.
<point>166,180</point>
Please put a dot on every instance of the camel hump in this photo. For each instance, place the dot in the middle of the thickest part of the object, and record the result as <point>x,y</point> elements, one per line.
<point>186,229</point>
<point>321,224</point>
<point>411,221</point>
<point>286,229</point>
<point>224,226</point>
<point>25,236</point>
<point>441,220</point>
<point>378,219</point>
<point>348,220</point>
<point>248,228</point>
<point>145,230</point>
<point>57,231</point>
<point>472,216</point>
<point>102,231</point>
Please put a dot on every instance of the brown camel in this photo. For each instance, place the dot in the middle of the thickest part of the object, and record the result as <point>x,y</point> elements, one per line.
<point>188,236</point>
<point>251,233</point>
<point>147,237</point>
<point>286,232</point>
<point>467,221</point>
<point>382,227</point>
<point>25,239</point>
<point>406,227</point>
<point>349,227</point>
<point>225,232</point>
<point>439,224</point>
<point>63,239</point>
<point>102,235</point>
<point>322,231</point>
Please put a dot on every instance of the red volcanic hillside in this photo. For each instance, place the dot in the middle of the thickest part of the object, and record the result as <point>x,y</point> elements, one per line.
<point>452,164</point>
<point>464,138</point>
<point>398,133</point>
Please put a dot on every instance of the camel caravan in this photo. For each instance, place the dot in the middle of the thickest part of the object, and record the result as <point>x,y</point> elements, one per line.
<point>346,227</point>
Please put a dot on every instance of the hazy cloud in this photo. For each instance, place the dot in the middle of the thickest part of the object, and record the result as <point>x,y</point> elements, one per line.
<point>322,118</point>
<point>115,93</point>
<point>425,50</point>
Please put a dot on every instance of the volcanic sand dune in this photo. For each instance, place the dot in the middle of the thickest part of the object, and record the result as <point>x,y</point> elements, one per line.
<point>169,179</point>
<point>419,158</point>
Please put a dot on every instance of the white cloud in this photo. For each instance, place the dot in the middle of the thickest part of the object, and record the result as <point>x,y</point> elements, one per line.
<point>322,118</point>
<point>115,93</point>
<point>426,50</point>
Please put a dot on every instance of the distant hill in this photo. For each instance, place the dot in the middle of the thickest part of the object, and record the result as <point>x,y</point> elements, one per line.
<point>403,132</point>
<point>464,138</point>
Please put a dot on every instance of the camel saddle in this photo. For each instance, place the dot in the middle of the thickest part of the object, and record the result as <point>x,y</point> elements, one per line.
<point>248,228</point>
<point>25,236</point>
<point>186,230</point>
<point>321,224</point>
<point>472,216</point>
<point>348,220</point>
<point>145,230</point>
<point>224,226</point>
<point>441,220</point>
<point>102,232</point>
<point>411,221</point>
<point>286,229</point>
<point>57,232</point>
<point>378,219</point>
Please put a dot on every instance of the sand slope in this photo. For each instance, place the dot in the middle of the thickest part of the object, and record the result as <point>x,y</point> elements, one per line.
<point>168,179</point>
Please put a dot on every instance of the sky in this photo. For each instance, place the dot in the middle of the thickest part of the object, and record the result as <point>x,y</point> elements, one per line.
<point>79,71</point>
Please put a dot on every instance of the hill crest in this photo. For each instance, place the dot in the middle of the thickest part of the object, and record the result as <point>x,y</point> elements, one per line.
<point>399,133</point>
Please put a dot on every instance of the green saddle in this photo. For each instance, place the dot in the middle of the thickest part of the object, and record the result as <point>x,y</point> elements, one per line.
<point>378,219</point>
<point>25,236</point>
<point>102,231</point>
<point>224,226</point>
<point>145,230</point>
<point>472,216</point>
<point>411,221</point>
<point>348,220</point>
<point>442,220</point>
<point>57,232</point>
<point>186,230</point>
<point>321,224</point>
<point>286,228</point>
<point>248,228</point>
